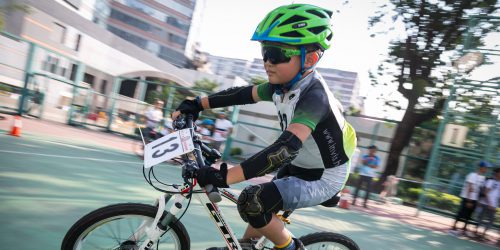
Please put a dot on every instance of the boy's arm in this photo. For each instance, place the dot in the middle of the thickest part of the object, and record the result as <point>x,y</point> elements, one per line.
<point>236,173</point>
<point>228,97</point>
<point>237,96</point>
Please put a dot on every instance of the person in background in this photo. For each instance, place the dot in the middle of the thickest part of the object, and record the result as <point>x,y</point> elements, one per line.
<point>206,129</point>
<point>153,115</point>
<point>488,204</point>
<point>469,195</point>
<point>390,188</point>
<point>222,130</point>
<point>370,162</point>
<point>355,158</point>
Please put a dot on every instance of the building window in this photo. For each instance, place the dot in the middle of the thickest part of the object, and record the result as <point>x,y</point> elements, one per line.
<point>50,64</point>
<point>139,41</point>
<point>59,33</point>
<point>74,3</point>
<point>72,75</point>
<point>177,39</point>
<point>104,84</point>
<point>88,78</point>
<point>77,42</point>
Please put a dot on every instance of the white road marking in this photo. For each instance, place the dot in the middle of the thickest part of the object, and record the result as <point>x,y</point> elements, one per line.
<point>69,157</point>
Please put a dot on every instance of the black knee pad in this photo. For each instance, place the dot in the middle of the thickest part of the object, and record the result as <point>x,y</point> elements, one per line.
<point>256,210</point>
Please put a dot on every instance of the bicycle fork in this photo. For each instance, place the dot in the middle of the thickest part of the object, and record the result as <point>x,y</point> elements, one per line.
<point>160,224</point>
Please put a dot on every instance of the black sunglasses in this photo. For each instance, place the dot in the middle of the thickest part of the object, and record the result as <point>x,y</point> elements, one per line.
<point>276,54</point>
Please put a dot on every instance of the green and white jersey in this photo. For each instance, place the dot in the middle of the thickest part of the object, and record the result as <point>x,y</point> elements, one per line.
<point>311,103</point>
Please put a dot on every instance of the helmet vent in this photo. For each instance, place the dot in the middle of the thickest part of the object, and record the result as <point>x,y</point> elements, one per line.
<point>292,34</point>
<point>329,37</point>
<point>316,30</point>
<point>317,13</point>
<point>293,19</point>
<point>276,18</point>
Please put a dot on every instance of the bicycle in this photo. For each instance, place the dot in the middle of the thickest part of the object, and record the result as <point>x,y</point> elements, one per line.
<point>149,136</point>
<point>153,227</point>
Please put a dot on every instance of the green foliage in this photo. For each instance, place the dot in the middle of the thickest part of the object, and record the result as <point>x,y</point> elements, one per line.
<point>434,198</point>
<point>256,80</point>
<point>417,63</point>
<point>206,85</point>
<point>235,151</point>
<point>6,88</point>
<point>353,111</point>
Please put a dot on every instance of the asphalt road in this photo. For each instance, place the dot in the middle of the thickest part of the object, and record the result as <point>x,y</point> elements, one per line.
<point>46,184</point>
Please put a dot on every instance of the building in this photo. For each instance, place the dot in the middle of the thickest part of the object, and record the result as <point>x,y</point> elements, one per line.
<point>344,86</point>
<point>226,66</point>
<point>256,69</point>
<point>71,48</point>
<point>158,26</point>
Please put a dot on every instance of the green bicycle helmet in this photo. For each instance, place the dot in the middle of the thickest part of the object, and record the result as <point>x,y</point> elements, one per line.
<point>296,24</point>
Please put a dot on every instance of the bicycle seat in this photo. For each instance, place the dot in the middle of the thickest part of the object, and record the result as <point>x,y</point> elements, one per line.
<point>332,202</point>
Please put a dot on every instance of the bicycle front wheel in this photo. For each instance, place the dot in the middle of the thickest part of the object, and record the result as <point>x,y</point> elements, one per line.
<point>122,226</point>
<point>328,241</point>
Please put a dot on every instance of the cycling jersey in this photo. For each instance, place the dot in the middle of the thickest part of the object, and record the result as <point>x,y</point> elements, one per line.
<point>311,103</point>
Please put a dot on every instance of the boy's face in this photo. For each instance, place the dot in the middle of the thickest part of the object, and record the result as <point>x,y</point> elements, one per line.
<point>284,72</point>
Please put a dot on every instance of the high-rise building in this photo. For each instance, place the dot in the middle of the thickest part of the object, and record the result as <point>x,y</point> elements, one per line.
<point>256,69</point>
<point>344,85</point>
<point>158,26</point>
<point>226,66</point>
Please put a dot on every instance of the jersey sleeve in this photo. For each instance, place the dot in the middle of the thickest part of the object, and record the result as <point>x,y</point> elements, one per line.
<point>470,178</point>
<point>265,91</point>
<point>311,109</point>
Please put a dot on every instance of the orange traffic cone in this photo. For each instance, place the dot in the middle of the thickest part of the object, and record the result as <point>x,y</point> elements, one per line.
<point>344,199</point>
<point>16,128</point>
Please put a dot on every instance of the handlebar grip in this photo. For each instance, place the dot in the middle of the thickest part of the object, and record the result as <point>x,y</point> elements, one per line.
<point>213,193</point>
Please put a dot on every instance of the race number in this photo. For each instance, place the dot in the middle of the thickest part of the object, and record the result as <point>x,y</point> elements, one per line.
<point>168,147</point>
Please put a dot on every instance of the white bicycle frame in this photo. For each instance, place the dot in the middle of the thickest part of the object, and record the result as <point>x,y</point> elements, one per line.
<point>154,232</point>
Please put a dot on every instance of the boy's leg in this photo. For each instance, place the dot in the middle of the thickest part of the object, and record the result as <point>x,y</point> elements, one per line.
<point>251,233</point>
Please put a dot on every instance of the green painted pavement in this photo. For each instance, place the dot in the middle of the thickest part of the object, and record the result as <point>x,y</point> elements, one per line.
<point>45,186</point>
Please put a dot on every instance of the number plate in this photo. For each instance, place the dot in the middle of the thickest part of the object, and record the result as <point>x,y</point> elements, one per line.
<point>169,146</point>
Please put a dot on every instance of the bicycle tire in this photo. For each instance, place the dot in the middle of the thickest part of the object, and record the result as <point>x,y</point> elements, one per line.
<point>84,228</point>
<point>324,240</point>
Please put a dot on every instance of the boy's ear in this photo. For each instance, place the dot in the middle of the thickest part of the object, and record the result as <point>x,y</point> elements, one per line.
<point>311,59</point>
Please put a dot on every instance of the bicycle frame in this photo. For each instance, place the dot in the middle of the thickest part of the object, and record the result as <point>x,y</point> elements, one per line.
<point>154,230</point>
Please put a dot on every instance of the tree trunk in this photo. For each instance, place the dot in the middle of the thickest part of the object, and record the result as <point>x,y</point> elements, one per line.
<point>401,138</point>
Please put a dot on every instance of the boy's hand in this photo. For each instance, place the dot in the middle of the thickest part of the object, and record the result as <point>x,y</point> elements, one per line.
<point>213,176</point>
<point>189,107</point>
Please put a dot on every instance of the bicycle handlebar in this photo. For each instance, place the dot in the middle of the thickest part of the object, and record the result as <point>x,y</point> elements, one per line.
<point>212,192</point>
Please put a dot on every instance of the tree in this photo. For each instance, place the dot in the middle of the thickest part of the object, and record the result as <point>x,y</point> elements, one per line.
<point>256,80</point>
<point>419,61</point>
<point>206,85</point>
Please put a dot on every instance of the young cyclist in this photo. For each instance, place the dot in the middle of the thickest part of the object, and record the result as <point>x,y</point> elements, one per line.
<point>312,154</point>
